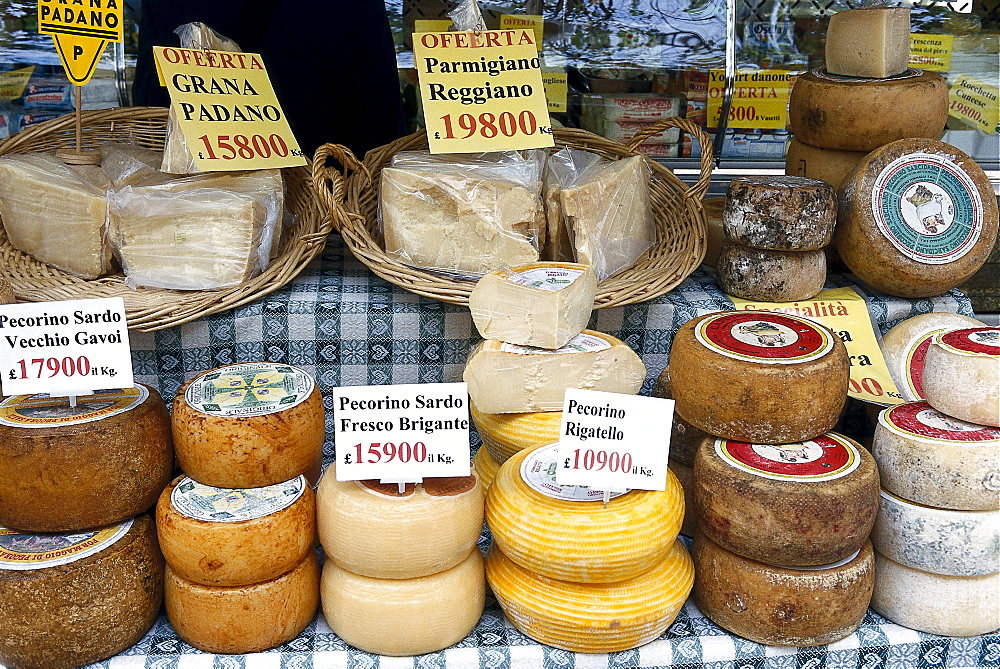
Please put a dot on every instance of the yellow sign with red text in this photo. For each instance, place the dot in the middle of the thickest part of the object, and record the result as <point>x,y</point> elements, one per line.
<point>760,98</point>
<point>529,21</point>
<point>975,102</point>
<point>12,83</point>
<point>931,52</point>
<point>80,32</point>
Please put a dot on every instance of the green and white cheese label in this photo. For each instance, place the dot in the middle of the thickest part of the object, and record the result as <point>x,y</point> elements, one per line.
<point>232,505</point>
<point>250,389</point>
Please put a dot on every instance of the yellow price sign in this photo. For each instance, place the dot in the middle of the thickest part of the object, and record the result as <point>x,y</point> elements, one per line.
<point>528,21</point>
<point>12,83</point>
<point>931,52</point>
<point>80,32</point>
<point>976,102</point>
<point>760,98</point>
<point>556,90</point>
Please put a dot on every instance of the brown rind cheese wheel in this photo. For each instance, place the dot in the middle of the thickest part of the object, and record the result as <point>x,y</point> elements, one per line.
<point>829,165</point>
<point>685,476</point>
<point>770,276</point>
<point>684,437</point>
<point>780,213</point>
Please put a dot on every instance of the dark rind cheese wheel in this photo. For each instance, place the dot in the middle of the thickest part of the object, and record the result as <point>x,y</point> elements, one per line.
<point>770,276</point>
<point>715,233</point>
<point>685,476</point>
<point>802,504</point>
<point>82,611</point>
<point>780,213</point>
<point>782,606</point>
<point>917,217</point>
<point>829,165</point>
<point>685,438</point>
<point>759,376</point>
<point>853,114</point>
<point>66,468</point>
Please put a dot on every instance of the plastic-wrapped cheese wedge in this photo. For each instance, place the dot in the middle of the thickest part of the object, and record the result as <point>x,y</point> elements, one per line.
<point>962,374</point>
<point>593,617</point>
<point>905,347</point>
<point>505,434</point>
<point>405,616</point>
<point>507,378</point>
<point>568,533</point>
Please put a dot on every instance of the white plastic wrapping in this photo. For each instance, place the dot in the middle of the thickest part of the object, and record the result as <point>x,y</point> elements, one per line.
<point>130,164</point>
<point>561,170</point>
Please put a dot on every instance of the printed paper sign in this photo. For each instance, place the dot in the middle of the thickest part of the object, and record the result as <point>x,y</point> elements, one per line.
<point>556,90</point>
<point>524,21</point>
<point>80,32</point>
<point>931,52</point>
<point>482,91</point>
<point>431,25</point>
<point>760,98</point>
<point>403,432</point>
<point>227,109</point>
<point>12,83</point>
<point>975,101</point>
<point>74,347</point>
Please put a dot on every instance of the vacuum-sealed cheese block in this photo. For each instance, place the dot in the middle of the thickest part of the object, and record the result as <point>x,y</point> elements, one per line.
<point>561,169</point>
<point>132,164</point>
<point>505,434</point>
<point>905,347</point>
<point>770,276</point>
<point>780,213</point>
<point>829,165</point>
<point>868,42</point>
<point>53,213</point>
<point>508,378</point>
<point>962,374</point>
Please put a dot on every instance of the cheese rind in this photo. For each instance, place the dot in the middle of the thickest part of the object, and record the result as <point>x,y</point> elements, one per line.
<point>716,233</point>
<point>685,476</point>
<point>770,276</point>
<point>505,434</point>
<point>780,213</point>
<point>962,374</point>
<point>868,42</point>
<point>829,165</point>
<point>486,467</point>
<point>685,438</point>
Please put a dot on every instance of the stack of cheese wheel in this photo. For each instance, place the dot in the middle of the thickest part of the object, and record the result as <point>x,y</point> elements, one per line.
<point>81,578</point>
<point>578,574</point>
<point>403,574</point>
<point>238,531</point>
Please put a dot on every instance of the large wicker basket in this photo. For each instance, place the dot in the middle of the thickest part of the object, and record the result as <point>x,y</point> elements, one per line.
<point>680,222</point>
<point>154,308</point>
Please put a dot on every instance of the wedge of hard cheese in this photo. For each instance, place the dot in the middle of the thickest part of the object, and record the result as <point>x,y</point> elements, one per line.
<point>868,42</point>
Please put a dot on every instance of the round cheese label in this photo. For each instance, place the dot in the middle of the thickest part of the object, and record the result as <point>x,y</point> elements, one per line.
<point>582,343</point>
<point>928,208</point>
<point>824,458</point>
<point>763,336</point>
<point>249,389</point>
<point>23,551</point>
<point>822,567</point>
<point>919,419</point>
<point>232,505</point>
<point>908,73</point>
<point>45,411</point>
<point>538,470</point>
<point>545,278</point>
<point>971,341</point>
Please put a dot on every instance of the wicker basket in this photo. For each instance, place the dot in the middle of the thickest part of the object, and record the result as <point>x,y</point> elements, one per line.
<point>680,221</point>
<point>156,308</point>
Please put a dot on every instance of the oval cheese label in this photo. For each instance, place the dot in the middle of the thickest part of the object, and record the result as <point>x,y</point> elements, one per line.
<point>971,341</point>
<point>762,336</point>
<point>582,343</point>
<point>45,411</point>
<point>908,73</point>
<point>822,567</point>
<point>552,279</point>
<point>919,419</point>
<point>22,551</point>
<point>928,208</point>
<point>249,389</point>
<point>538,470</point>
<point>824,458</point>
<point>233,505</point>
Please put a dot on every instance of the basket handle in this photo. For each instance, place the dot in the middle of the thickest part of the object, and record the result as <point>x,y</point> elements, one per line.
<point>330,183</point>
<point>700,186</point>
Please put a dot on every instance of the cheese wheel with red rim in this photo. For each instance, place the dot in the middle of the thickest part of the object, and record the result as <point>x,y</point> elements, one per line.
<point>685,476</point>
<point>905,347</point>
<point>962,374</point>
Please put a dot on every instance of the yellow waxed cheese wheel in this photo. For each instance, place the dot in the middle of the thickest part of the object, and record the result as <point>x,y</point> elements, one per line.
<point>592,617</point>
<point>370,529</point>
<point>568,533</point>
<point>248,425</point>
<point>962,374</point>
<point>405,616</point>
<point>57,616</point>
<point>685,476</point>
<point>505,434</point>
<point>246,618</point>
<point>486,467</point>
<point>229,537</point>
<point>68,468</point>
<point>829,165</point>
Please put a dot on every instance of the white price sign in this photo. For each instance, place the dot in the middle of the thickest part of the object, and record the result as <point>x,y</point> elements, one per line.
<point>610,441</point>
<point>72,347</point>
<point>402,433</point>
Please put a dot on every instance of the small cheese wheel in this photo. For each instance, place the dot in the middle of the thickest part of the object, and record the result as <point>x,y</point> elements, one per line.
<point>411,616</point>
<point>368,528</point>
<point>246,618</point>
<point>716,233</point>
<point>685,476</point>
<point>905,347</point>
<point>68,468</point>
<point>962,374</point>
<point>505,434</point>
<point>802,504</point>
<point>936,604</point>
<point>486,467</point>
<point>782,606</point>
<point>568,533</point>
<point>592,617</point>
<point>727,369</point>
<point>770,276</point>
<point>929,458</point>
<point>685,438</point>
<point>90,596</point>
<point>939,541</point>
<point>853,114</point>
<point>780,213</point>
<point>248,425</point>
<point>829,165</point>
<point>224,536</point>
<point>917,217</point>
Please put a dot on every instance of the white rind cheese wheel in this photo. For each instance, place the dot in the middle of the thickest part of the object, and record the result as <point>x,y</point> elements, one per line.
<point>770,276</point>
<point>929,458</point>
<point>592,617</point>
<point>505,434</point>
<point>370,529</point>
<point>853,114</point>
<point>936,604</point>
<point>246,618</point>
<point>782,606</point>
<point>235,536</point>
<point>685,476</point>
<point>248,425</point>
<point>685,438</point>
<point>726,370</point>
<point>70,610</point>
<point>506,378</point>
<point>716,234</point>
<point>780,213</point>
<point>406,616</point>
<point>917,217</point>
<point>568,533</point>
<point>829,165</point>
<point>962,374</point>
<point>939,541</point>
<point>64,469</point>
<point>803,504</point>
<point>486,468</point>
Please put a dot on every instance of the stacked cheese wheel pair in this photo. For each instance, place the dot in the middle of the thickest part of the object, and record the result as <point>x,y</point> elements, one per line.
<point>784,507</point>
<point>573,572</point>
<point>81,577</point>
<point>238,532</point>
<point>403,574</point>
